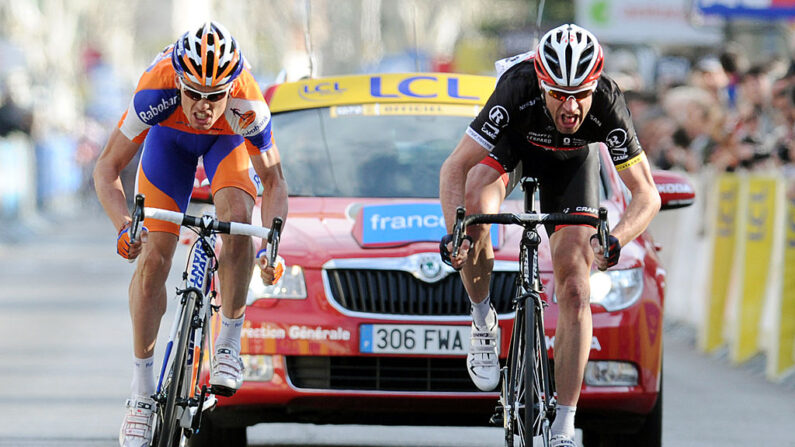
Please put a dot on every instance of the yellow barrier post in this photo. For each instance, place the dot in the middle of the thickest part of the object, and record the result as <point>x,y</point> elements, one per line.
<point>757,231</point>
<point>726,218</point>
<point>781,358</point>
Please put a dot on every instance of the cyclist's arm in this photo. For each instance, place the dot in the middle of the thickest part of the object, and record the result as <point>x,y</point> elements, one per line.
<point>268,167</point>
<point>453,175</point>
<point>116,156</point>
<point>644,205</point>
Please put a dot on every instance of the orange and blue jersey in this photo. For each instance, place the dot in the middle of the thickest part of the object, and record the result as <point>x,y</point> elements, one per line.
<point>172,149</point>
<point>156,103</point>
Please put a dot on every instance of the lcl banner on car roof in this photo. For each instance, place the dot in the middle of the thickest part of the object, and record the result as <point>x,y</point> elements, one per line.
<point>383,88</point>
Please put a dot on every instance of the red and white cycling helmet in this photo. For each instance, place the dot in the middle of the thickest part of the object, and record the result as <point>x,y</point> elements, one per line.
<point>208,56</point>
<point>568,56</point>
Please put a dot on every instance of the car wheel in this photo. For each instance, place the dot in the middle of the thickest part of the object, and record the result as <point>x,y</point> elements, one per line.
<point>210,434</point>
<point>649,435</point>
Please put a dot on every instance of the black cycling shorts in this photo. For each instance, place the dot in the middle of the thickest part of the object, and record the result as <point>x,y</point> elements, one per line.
<point>568,179</point>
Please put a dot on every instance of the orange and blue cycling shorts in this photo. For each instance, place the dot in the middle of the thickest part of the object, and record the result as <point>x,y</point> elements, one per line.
<point>168,166</point>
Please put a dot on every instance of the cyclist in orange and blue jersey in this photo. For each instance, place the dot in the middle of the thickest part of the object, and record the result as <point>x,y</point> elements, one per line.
<point>196,100</point>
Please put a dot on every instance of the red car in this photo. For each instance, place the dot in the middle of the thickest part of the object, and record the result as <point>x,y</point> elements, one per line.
<point>368,326</point>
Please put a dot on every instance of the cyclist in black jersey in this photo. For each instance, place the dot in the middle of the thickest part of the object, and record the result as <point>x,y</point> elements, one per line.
<point>547,108</point>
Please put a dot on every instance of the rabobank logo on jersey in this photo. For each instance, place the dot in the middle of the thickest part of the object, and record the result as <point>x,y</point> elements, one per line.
<point>154,106</point>
<point>403,223</point>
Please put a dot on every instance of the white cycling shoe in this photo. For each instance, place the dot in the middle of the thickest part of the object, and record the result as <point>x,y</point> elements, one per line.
<point>226,374</point>
<point>483,358</point>
<point>562,441</point>
<point>138,426</point>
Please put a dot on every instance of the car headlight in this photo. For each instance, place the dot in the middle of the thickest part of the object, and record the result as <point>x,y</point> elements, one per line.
<point>610,373</point>
<point>290,286</point>
<point>257,368</point>
<point>616,289</point>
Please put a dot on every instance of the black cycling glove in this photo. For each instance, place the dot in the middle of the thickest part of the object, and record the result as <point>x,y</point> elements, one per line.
<point>446,239</point>
<point>613,249</point>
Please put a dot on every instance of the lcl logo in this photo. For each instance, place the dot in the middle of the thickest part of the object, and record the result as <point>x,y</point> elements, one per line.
<point>320,91</point>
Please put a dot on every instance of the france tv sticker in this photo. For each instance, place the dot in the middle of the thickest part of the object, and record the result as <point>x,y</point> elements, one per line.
<point>405,223</point>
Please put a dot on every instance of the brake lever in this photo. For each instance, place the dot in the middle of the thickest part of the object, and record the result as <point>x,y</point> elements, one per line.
<point>604,232</point>
<point>273,240</point>
<point>458,230</point>
<point>137,218</point>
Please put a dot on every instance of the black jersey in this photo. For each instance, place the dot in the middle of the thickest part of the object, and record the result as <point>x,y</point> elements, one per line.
<point>516,119</point>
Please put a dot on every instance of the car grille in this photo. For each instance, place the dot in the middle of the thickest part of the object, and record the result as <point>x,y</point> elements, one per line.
<point>400,293</point>
<point>380,374</point>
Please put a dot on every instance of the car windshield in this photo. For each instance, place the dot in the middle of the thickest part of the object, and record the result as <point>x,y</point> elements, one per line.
<point>368,150</point>
<point>372,150</point>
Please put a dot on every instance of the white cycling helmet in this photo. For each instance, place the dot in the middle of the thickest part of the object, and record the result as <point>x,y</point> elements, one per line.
<point>568,56</point>
<point>208,56</point>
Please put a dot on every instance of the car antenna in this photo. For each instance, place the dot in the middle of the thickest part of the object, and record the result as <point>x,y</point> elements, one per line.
<point>414,29</point>
<point>308,36</point>
<point>539,15</point>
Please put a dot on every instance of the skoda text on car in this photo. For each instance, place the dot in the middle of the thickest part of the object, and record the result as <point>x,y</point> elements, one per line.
<point>368,325</point>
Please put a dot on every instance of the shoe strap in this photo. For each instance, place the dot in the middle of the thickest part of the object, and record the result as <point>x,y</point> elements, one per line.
<point>562,441</point>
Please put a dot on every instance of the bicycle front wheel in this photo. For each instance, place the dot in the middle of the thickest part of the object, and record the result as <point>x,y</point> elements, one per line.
<point>176,387</point>
<point>526,386</point>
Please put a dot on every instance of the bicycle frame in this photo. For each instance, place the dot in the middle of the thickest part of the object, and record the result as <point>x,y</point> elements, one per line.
<point>179,412</point>
<point>193,316</point>
<point>528,379</point>
<point>527,400</point>
<point>197,275</point>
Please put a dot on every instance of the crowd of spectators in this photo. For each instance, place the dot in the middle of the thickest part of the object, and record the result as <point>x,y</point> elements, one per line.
<point>726,114</point>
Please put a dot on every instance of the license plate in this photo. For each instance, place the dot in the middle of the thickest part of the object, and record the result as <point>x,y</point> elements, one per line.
<point>413,339</point>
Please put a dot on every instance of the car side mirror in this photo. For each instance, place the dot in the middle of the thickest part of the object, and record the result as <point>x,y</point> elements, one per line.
<point>675,190</point>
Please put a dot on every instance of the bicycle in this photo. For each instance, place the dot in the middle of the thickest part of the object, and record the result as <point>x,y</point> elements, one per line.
<point>526,406</point>
<point>179,410</point>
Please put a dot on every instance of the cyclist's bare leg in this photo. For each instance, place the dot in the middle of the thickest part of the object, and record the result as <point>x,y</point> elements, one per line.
<point>485,192</point>
<point>148,291</point>
<point>237,255</point>
<point>572,257</point>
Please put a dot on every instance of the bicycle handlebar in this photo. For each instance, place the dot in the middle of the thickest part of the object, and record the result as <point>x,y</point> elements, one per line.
<point>210,223</point>
<point>527,220</point>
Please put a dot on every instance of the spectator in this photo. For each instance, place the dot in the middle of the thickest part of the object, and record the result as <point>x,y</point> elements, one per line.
<point>734,63</point>
<point>710,76</point>
<point>13,116</point>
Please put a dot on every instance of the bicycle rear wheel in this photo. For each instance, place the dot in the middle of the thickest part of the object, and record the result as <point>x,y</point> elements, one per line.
<point>176,387</point>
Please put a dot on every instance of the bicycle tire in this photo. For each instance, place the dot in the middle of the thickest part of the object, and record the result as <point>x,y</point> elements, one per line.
<point>510,387</point>
<point>175,387</point>
<point>529,397</point>
<point>543,384</point>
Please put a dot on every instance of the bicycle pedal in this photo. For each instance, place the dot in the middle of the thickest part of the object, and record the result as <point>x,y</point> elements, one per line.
<point>496,419</point>
<point>210,403</point>
<point>222,391</point>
